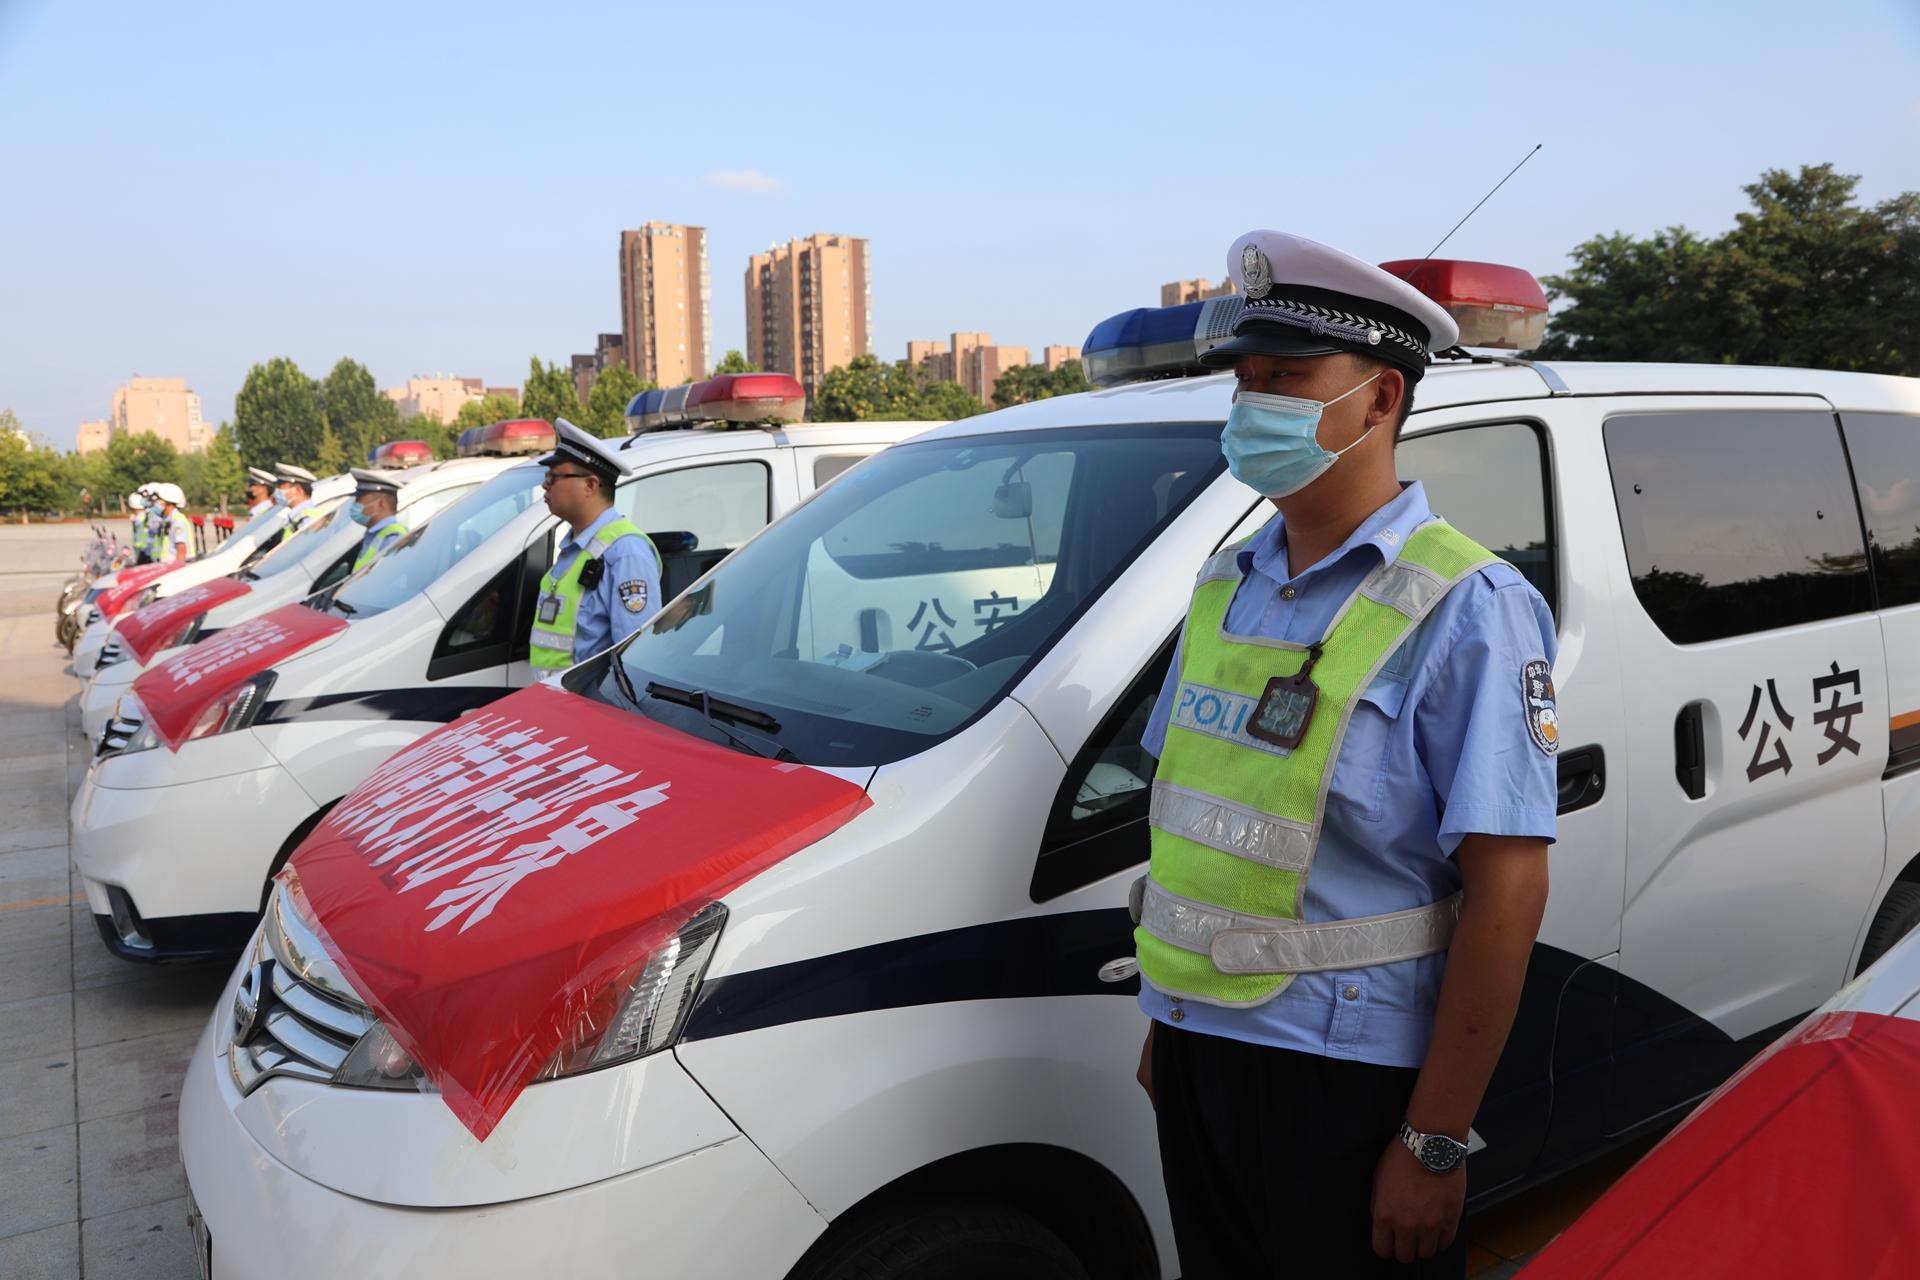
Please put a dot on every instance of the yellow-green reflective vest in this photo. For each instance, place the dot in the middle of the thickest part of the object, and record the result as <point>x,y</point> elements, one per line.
<point>380,545</point>
<point>1235,821</point>
<point>142,535</point>
<point>551,646</point>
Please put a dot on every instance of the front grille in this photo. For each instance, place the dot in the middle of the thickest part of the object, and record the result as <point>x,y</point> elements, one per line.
<point>294,1015</point>
<point>111,653</point>
<point>120,733</point>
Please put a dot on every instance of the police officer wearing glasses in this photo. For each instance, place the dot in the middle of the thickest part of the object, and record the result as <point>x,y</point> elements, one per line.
<point>605,579</point>
<point>1351,812</point>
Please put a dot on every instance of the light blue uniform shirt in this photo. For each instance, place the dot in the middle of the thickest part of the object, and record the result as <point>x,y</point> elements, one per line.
<point>376,534</point>
<point>628,594</point>
<point>1439,747</point>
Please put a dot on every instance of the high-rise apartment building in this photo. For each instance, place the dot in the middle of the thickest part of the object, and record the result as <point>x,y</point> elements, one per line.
<point>1055,356</point>
<point>809,307</point>
<point>665,315</point>
<point>93,437</point>
<point>931,357</point>
<point>163,406</point>
<point>440,396</point>
<point>1184,291</point>
<point>981,371</point>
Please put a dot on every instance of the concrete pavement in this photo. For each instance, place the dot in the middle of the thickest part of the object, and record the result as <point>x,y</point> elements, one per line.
<point>92,1048</point>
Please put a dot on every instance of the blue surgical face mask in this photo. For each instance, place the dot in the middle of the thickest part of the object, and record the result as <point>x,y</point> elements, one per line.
<point>279,497</point>
<point>1272,442</point>
<point>358,513</point>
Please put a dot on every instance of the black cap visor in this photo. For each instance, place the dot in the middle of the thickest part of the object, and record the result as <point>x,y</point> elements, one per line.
<point>1267,340</point>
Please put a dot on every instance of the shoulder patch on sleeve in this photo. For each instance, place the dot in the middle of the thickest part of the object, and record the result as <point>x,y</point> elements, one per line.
<point>1543,715</point>
<point>633,595</point>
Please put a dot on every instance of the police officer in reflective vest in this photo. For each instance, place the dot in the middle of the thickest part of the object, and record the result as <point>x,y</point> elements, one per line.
<point>296,488</point>
<point>376,501</point>
<point>1351,814</point>
<point>605,579</point>
<point>173,535</point>
<point>260,491</point>
<point>142,536</point>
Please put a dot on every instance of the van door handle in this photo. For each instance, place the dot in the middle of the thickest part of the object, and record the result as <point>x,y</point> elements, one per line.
<point>1690,751</point>
<point>1583,777</point>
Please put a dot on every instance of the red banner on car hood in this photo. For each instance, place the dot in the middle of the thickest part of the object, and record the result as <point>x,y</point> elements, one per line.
<point>129,583</point>
<point>1805,1164</point>
<point>178,692</point>
<point>146,631</point>
<point>494,890</point>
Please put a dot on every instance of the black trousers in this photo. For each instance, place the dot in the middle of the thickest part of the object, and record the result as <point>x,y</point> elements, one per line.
<point>1269,1156</point>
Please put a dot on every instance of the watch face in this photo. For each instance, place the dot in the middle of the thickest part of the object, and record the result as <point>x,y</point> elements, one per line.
<point>1440,1154</point>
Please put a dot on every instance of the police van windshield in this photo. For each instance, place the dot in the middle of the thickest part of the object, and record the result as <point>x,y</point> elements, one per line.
<point>428,552</point>
<point>252,526</point>
<point>906,597</point>
<point>290,551</point>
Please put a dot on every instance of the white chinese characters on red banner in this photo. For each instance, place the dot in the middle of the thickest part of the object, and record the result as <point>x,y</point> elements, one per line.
<point>129,583</point>
<point>184,688</point>
<point>495,889</point>
<point>148,630</point>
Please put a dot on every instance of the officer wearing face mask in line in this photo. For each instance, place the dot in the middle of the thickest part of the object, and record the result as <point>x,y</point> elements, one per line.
<point>260,491</point>
<point>173,535</point>
<point>376,500</point>
<point>142,542</point>
<point>296,490</point>
<point>1351,814</point>
<point>605,580</point>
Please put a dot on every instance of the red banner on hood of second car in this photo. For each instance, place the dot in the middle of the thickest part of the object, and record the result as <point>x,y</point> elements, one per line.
<point>1804,1164</point>
<point>178,692</point>
<point>147,630</point>
<point>494,890</point>
<point>129,583</point>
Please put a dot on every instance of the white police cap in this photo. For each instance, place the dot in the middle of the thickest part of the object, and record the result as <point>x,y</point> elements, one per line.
<point>369,481</point>
<point>287,473</point>
<point>571,444</point>
<point>167,491</point>
<point>258,476</point>
<point>1304,298</point>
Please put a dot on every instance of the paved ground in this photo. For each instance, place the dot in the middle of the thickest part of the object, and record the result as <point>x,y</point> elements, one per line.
<point>92,1048</point>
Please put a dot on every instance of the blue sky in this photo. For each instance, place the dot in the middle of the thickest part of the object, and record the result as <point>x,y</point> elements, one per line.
<point>189,189</point>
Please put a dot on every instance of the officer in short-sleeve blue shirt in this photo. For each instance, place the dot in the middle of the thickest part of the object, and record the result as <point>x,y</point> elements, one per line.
<point>1321,1130</point>
<point>582,472</point>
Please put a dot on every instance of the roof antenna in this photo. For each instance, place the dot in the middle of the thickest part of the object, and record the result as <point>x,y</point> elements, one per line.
<point>1484,199</point>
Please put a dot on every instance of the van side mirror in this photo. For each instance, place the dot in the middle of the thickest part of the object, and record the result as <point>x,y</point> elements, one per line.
<point>675,542</point>
<point>1013,501</point>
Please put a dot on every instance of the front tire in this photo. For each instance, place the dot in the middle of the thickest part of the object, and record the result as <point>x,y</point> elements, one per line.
<point>943,1240</point>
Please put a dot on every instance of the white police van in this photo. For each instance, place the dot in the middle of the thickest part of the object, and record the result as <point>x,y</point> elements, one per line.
<point>909,1049</point>
<point>438,626</point>
<point>317,557</point>
<point>245,545</point>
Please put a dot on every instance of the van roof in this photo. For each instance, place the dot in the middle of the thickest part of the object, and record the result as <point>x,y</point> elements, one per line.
<point>1457,382</point>
<point>656,444</point>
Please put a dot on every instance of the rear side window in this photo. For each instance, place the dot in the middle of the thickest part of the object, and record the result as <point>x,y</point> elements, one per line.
<point>1886,469</point>
<point>1490,482</point>
<point>1737,521</point>
<point>720,504</point>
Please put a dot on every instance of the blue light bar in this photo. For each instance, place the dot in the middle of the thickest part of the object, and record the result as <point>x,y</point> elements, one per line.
<point>644,409</point>
<point>1157,342</point>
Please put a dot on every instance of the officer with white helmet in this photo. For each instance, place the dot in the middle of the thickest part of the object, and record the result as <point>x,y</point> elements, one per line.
<point>605,579</point>
<point>260,491</point>
<point>174,536</point>
<point>142,536</point>
<point>296,490</point>
<point>1351,814</point>
<point>376,503</point>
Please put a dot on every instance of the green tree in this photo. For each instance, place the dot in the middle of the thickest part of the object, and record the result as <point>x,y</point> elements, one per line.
<point>34,476</point>
<point>352,406</point>
<point>942,401</point>
<point>734,362</point>
<point>487,409</point>
<point>606,408</point>
<point>225,476</point>
<point>277,415</point>
<point>1807,277</point>
<point>332,458</point>
<point>550,393</point>
<point>866,389</point>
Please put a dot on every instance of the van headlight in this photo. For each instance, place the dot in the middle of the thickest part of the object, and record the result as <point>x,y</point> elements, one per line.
<point>235,709</point>
<point>626,1023</point>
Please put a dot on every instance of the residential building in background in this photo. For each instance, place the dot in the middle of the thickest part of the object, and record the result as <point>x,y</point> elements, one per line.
<point>1181,292</point>
<point>584,373</point>
<point>960,349</point>
<point>933,358</point>
<point>93,437</point>
<point>163,406</point>
<point>984,365</point>
<point>1055,356</point>
<point>609,349</point>
<point>439,396</point>
<point>666,321</point>
<point>511,393</point>
<point>809,307</point>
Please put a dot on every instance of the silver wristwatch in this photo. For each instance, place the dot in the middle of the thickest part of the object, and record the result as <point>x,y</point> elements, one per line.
<point>1436,1152</point>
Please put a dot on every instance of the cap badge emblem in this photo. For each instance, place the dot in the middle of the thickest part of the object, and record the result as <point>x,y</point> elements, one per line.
<point>1373,337</point>
<point>1256,272</point>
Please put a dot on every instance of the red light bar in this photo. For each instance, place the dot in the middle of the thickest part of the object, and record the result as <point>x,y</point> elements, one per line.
<point>504,439</point>
<point>1494,305</point>
<point>748,397</point>
<point>401,453</point>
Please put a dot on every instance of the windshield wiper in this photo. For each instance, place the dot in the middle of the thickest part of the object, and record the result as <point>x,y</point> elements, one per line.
<point>714,710</point>
<point>343,606</point>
